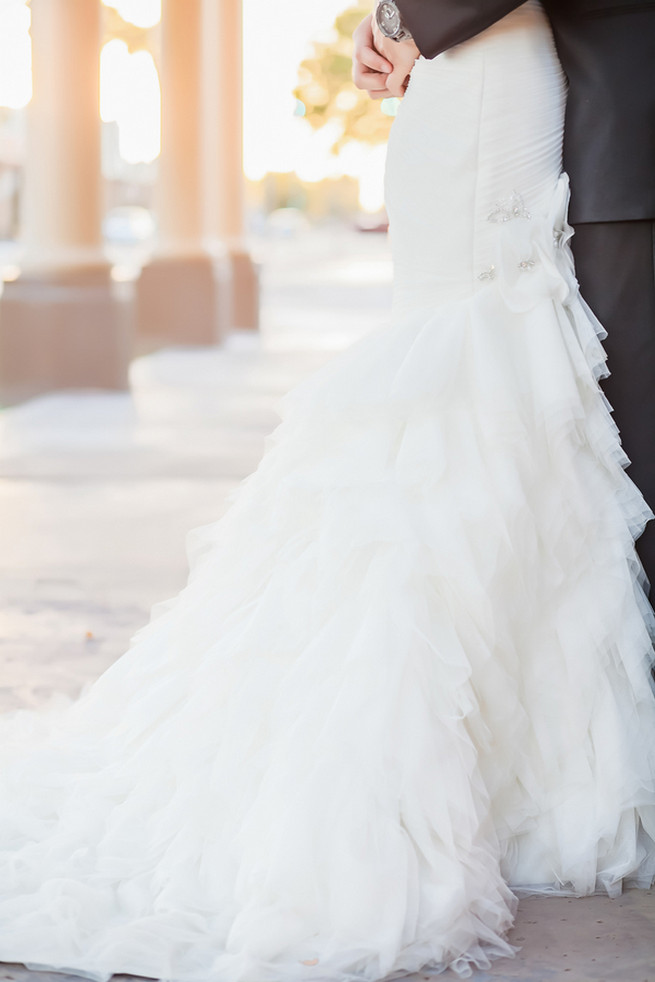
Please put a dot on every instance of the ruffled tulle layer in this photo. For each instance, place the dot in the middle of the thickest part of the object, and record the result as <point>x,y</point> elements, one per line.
<point>408,679</point>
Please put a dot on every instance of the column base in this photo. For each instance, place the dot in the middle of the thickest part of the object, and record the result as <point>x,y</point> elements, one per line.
<point>182,300</point>
<point>64,328</point>
<point>245,289</point>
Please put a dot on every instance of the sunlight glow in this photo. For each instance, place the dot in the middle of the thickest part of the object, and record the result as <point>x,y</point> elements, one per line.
<point>141,13</point>
<point>15,54</point>
<point>130,96</point>
<point>276,137</point>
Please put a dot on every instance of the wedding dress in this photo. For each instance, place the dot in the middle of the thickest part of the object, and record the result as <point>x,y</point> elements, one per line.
<point>408,680</point>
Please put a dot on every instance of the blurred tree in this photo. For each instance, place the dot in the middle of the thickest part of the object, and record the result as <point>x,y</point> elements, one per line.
<point>136,38</point>
<point>327,93</point>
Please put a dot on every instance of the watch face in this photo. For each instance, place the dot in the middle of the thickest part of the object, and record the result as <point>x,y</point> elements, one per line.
<point>388,18</point>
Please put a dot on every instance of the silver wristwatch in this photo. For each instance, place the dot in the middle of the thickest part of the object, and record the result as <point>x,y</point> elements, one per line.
<point>388,19</point>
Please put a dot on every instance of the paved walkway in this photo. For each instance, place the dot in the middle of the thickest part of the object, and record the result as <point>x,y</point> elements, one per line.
<point>98,490</point>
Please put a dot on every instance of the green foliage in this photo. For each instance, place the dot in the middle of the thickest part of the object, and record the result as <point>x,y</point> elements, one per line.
<point>327,91</point>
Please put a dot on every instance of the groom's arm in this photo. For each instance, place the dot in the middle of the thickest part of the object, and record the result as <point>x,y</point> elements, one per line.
<point>437,25</point>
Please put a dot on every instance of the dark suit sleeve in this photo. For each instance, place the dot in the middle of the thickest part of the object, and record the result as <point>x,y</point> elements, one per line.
<point>437,25</point>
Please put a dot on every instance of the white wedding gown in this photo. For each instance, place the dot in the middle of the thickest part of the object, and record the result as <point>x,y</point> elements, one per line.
<point>408,680</point>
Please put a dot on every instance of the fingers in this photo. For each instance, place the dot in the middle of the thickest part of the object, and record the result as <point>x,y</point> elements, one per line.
<point>370,81</point>
<point>380,94</point>
<point>369,57</point>
<point>397,81</point>
<point>370,69</point>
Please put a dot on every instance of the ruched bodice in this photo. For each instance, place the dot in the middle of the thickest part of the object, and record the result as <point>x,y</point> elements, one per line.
<point>489,114</point>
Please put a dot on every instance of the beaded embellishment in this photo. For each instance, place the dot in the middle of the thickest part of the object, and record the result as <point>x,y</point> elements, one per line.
<point>508,209</point>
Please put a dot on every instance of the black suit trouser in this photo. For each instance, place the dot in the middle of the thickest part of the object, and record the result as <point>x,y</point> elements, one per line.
<point>615,266</point>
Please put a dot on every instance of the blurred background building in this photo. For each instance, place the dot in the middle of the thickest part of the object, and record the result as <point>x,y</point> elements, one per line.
<point>189,193</point>
<point>150,150</point>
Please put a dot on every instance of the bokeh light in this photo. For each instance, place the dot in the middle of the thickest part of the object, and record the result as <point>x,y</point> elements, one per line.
<point>276,137</point>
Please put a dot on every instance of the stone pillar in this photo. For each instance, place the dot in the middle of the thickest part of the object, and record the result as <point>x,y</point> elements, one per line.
<point>64,323</point>
<point>181,292</point>
<point>223,160</point>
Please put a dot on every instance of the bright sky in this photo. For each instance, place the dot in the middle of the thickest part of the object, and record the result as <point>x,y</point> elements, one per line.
<point>277,37</point>
<point>15,56</point>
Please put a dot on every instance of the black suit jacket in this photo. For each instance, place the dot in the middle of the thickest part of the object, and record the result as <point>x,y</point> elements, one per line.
<point>607,49</point>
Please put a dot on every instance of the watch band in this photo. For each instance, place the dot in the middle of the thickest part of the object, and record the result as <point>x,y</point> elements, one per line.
<point>389,21</point>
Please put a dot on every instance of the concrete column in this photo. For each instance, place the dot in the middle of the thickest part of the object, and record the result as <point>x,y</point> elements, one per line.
<point>182,297</point>
<point>63,321</point>
<point>223,160</point>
